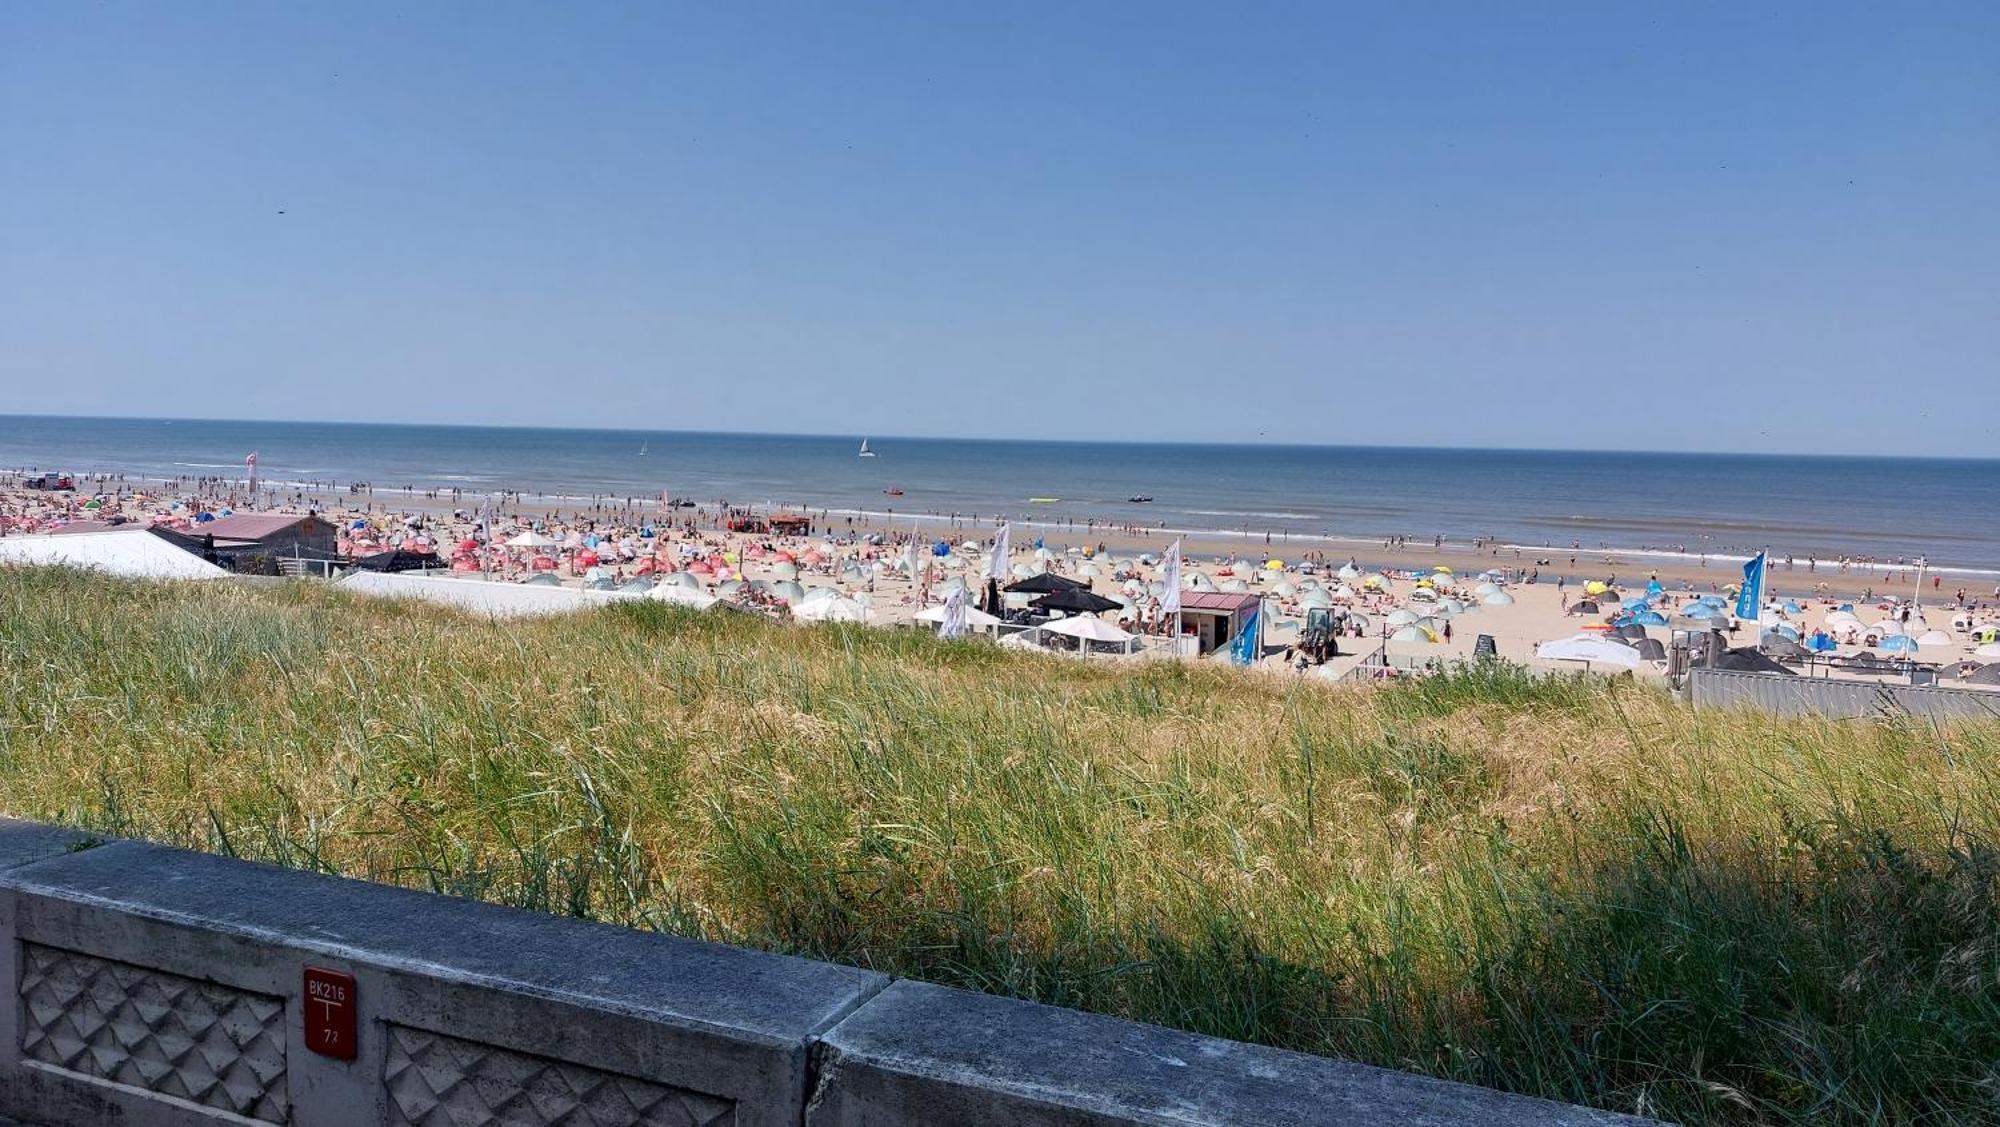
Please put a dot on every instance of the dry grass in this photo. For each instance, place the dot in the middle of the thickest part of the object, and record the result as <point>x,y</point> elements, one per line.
<point>1568,887</point>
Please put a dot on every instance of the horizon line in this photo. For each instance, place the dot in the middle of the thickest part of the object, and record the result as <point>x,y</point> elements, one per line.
<point>874,436</point>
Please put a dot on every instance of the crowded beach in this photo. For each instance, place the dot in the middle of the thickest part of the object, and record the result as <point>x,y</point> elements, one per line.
<point>1314,610</point>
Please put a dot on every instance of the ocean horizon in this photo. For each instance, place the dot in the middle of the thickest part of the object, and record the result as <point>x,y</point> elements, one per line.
<point>1634,502</point>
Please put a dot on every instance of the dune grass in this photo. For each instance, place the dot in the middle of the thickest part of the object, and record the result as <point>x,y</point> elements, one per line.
<point>1568,887</point>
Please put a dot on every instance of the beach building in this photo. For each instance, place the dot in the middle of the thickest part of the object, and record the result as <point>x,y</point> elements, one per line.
<point>1214,618</point>
<point>131,553</point>
<point>257,543</point>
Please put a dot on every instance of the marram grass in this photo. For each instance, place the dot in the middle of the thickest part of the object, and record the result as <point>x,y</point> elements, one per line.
<point>1566,887</point>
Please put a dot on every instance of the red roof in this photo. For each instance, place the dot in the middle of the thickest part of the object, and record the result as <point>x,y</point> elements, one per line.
<point>250,526</point>
<point>1224,601</point>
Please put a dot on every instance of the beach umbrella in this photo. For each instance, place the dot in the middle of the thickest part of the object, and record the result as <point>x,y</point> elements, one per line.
<point>1935,639</point>
<point>1076,601</point>
<point>1498,599</point>
<point>1990,649</point>
<point>1649,618</point>
<point>1886,627</point>
<point>1200,582</point>
<point>1401,617</point>
<point>1315,600</point>
<point>1789,607</point>
<point>1046,583</point>
<point>784,571</point>
<point>1348,571</point>
<point>1650,649</point>
<point>1487,588</point>
<point>1595,587</point>
<point>1413,634</point>
<point>1448,607</point>
<point>1899,643</point>
<point>1284,590</point>
<point>1783,630</point>
<point>1235,586</point>
<point>1637,602</point>
<point>1274,565</point>
<point>1585,606</point>
<point>1984,675</point>
<point>531,539</point>
<point>786,590</point>
<point>1820,642</point>
<point>1841,616</point>
<point>1700,610</point>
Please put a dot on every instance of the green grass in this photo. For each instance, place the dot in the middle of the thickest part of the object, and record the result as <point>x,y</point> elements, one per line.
<point>1569,887</point>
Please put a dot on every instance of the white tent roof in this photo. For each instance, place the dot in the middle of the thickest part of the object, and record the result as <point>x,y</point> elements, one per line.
<point>499,600</point>
<point>1589,648</point>
<point>682,596</point>
<point>836,609</point>
<point>136,554</point>
<point>1090,627</point>
<point>532,539</point>
<point>974,617</point>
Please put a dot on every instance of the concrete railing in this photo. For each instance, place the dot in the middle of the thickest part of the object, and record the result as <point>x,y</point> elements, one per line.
<point>156,986</point>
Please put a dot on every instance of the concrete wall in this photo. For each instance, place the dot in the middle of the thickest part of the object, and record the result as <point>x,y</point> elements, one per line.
<point>1836,699</point>
<point>155,986</point>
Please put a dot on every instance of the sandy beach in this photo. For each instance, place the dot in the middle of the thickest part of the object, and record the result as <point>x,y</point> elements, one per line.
<point>865,560</point>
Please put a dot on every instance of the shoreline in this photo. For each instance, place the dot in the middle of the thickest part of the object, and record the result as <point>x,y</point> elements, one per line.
<point>284,494</point>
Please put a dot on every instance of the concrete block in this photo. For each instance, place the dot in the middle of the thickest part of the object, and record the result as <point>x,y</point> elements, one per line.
<point>23,842</point>
<point>461,1005</point>
<point>917,1053</point>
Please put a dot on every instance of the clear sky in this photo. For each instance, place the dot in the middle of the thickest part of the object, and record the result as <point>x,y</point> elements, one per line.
<point>1727,226</point>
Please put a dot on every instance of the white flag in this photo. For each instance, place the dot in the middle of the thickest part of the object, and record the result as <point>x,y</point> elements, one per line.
<point>954,614</point>
<point>996,567</point>
<point>913,559</point>
<point>1170,578</point>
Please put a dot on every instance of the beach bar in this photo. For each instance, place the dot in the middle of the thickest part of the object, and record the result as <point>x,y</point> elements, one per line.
<point>1214,618</point>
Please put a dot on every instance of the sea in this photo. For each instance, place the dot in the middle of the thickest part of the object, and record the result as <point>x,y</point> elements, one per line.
<point>1637,503</point>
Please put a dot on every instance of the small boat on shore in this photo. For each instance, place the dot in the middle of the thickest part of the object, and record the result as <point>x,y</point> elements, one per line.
<point>1140,500</point>
<point>893,492</point>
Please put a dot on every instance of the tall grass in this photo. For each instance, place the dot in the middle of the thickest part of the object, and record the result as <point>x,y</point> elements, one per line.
<point>1566,887</point>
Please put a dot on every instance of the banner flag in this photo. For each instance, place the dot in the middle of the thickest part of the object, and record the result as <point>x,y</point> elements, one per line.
<point>996,566</point>
<point>1243,647</point>
<point>1170,578</point>
<point>1750,600</point>
<point>954,614</point>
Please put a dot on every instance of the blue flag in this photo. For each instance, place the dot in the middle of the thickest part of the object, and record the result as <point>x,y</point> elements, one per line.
<point>1243,647</point>
<point>1750,600</point>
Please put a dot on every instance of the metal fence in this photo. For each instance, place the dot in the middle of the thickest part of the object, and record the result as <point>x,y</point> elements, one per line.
<point>1836,699</point>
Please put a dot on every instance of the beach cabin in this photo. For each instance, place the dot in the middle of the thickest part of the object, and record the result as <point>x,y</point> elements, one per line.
<point>1214,618</point>
<point>256,543</point>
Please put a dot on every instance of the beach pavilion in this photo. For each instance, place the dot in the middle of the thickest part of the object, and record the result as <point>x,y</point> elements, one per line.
<point>1214,618</point>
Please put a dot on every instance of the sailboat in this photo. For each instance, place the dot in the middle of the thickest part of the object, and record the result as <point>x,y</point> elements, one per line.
<point>865,452</point>
<point>642,449</point>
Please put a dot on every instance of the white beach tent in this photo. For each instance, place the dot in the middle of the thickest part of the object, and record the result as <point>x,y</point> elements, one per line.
<point>975,619</point>
<point>136,554</point>
<point>1591,650</point>
<point>681,596</point>
<point>480,596</point>
<point>835,609</point>
<point>1090,628</point>
<point>531,539</point>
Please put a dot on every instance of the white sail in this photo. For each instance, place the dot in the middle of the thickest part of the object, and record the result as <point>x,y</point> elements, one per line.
<point>865,452</point>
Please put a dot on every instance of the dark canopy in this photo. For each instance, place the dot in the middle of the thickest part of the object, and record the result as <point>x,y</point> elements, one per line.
<point>1748,660</point>
<point>1984,675</point>
<point>1047,583</point>
<point>1074,601</point>
<point>398,560</point>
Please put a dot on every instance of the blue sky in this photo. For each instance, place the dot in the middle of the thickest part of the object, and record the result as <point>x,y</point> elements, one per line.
<point>1716,226</point>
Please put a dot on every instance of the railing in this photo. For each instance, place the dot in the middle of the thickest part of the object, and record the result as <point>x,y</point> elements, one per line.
<point>156,986</point>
